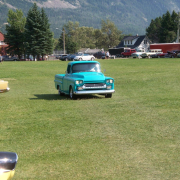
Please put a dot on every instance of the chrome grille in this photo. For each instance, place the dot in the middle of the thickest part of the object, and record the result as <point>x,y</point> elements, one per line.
<point>94,86</point>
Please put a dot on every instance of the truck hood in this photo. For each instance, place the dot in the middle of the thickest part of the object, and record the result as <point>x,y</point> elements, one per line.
<point>90,76</point>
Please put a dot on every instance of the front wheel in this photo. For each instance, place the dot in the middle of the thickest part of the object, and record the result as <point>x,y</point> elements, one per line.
<point>71,93</point>
<point>92,59</point>
<point>108,95</point>
<point>59,92</point>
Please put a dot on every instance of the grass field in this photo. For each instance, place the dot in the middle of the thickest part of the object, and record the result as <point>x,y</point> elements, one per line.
<point>134,135</point>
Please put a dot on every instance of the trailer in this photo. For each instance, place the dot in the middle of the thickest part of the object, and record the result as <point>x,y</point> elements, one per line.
<point>117,51</point>
<point>165,46</point>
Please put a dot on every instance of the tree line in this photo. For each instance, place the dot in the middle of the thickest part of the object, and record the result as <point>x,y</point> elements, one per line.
<point>163,29</point>
<point>29,36</point>
<point>77,37</point>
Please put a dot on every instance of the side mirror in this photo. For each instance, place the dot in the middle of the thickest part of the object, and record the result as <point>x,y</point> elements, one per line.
<point>8,161</point>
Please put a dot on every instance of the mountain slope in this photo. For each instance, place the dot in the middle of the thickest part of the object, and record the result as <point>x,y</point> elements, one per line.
<point>130,16</point>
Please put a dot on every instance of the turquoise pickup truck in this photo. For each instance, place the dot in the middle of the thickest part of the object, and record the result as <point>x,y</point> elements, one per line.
<point>84,77</point>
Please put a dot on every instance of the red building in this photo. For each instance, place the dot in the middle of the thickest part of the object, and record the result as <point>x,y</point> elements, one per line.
<point>2,44</point>
<point>165,46</point>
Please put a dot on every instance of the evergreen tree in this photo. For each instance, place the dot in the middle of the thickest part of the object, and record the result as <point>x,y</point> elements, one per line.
<point>153,31</point>
<point>39,38</point>
<point>33,34</point>
<point>163,29</point>
<point>46,46</point>
<point>15,29</point>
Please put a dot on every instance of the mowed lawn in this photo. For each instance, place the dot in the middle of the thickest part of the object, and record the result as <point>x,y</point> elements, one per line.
<point>134,135</point>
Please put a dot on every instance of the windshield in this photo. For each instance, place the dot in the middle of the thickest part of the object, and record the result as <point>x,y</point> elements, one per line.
<point>86,67</point>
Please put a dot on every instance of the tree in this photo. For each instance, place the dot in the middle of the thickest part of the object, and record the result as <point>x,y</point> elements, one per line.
<point>46,45</point>
<point>111,32</point>
<point>33,36</point>
<point>98,35</point>
<point>15,32</point>
<point>70,46</point>
<point>153,31</point>
<point>88,37</point>
<point>163,29</point>
<point>38,37</point>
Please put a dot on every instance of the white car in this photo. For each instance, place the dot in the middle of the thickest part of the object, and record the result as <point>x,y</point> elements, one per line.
<point>138,54</point>
<point>84,57</point>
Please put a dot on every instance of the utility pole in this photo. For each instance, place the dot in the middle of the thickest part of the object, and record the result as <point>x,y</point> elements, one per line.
<point>64,41</point>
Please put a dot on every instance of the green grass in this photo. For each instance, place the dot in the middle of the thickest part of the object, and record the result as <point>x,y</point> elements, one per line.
<point>134,135</point>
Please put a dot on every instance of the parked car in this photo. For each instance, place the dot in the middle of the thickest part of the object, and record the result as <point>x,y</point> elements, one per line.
<point>72,56</point>
<point>82,78</point>
<point>178,55</point>
<point>4,86</point>
<point>99,55</point>
<point>10,58</point>
<point>151,52</point>
<point>8,161</point>
<point>58,56</point>
<point>172,54</point>
<point>62,57</point>
<point>138,53</point>
<point>84,57</point>
<point>117,51</point>
<point>161,55</point>
<point>128,52</point>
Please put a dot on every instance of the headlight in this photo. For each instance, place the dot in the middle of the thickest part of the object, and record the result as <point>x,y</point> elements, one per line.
<point>79,82</point>
<point>109,81</point>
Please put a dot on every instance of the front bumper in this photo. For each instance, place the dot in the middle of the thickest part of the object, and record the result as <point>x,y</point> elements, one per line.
<point>94,92</point>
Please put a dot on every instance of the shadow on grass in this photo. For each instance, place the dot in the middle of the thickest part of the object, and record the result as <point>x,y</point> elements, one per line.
<point>51,97</point>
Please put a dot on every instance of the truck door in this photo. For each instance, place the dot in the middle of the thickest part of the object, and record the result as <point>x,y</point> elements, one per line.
<point>66,80</point>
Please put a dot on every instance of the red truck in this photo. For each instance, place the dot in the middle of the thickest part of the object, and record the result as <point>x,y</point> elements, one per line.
<point>165,46</point>
<point>128,52</point>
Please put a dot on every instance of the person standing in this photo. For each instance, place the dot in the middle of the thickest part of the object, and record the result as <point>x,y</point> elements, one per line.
<point>107,55</point>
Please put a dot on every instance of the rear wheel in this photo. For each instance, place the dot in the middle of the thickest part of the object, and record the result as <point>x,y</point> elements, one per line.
<point>71,93</point>
<point>108,95</point>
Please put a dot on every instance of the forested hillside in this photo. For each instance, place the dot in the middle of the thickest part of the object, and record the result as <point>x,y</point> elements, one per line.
<point>130,16</point>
